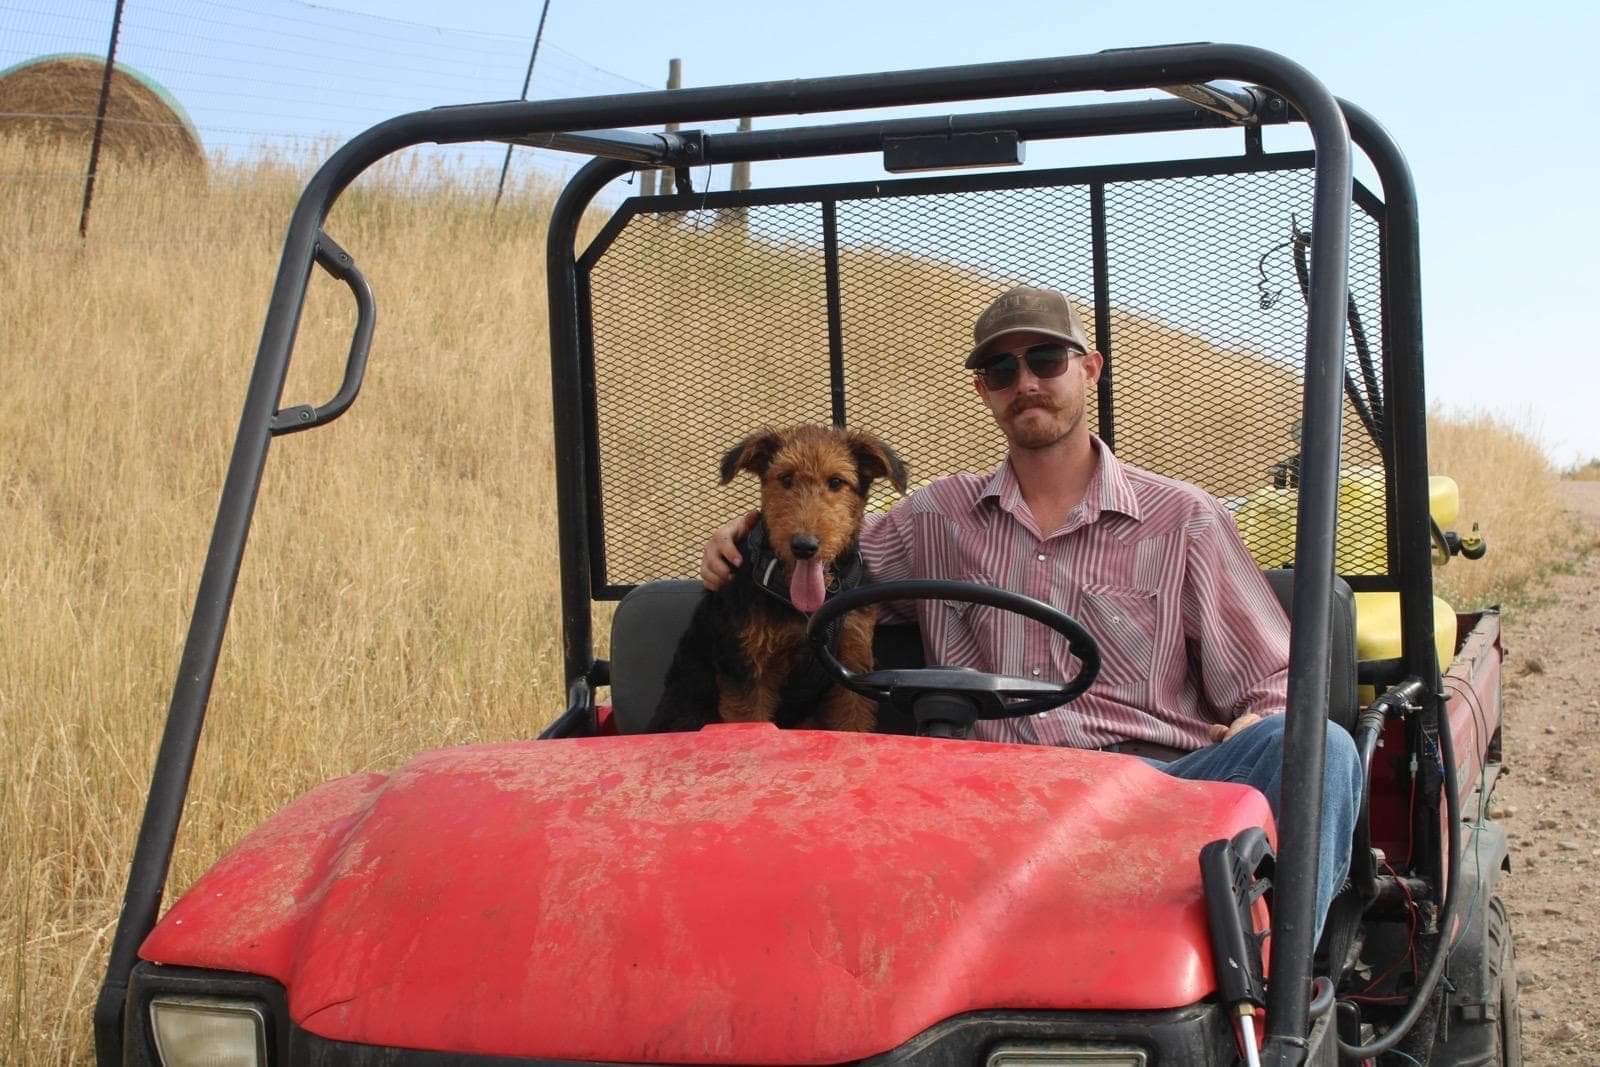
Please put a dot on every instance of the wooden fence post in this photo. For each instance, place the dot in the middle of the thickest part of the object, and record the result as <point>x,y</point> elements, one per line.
<point>647,179</point>
<point>741,171</point>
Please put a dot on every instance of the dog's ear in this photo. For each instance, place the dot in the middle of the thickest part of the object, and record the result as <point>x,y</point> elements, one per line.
<point>753,454</point>
<point>874,459</point>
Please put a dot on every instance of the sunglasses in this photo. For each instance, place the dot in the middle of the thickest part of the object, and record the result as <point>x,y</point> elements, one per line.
<point>1044,361</point>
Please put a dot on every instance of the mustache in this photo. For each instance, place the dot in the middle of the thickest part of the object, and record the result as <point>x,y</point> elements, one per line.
<point>1023,403</point>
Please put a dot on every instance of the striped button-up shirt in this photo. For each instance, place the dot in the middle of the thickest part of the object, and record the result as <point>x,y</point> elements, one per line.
<point>1189,631</point>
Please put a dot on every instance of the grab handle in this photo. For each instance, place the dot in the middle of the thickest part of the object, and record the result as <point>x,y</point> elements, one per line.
<point>337,262</point>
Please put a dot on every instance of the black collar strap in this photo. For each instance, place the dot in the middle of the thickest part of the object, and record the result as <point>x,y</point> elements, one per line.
<point>766,569</point>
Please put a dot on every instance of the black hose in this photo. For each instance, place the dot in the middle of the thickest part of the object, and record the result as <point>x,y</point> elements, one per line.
<point>1321,996</point>
<point>1441,951</point>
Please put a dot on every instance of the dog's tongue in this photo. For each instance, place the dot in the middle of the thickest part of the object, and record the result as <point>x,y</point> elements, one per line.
<point>806,591</point>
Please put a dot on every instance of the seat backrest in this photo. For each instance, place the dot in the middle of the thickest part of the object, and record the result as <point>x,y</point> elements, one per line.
<point>651,619</point>
<point>645,631</point>
<point>1343,704</point>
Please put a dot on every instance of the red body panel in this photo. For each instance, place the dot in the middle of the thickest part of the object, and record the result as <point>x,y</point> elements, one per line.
<point>741,895</point>
<point>1473,707</point>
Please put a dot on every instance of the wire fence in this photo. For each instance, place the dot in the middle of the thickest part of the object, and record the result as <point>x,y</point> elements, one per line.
<point>287,80</point>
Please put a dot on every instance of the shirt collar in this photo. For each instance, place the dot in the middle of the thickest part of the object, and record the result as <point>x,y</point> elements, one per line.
<point>1108,490</point>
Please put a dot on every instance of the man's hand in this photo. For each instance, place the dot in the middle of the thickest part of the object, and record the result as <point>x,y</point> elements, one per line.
<point>721,553</point>
<point>1221,732</point>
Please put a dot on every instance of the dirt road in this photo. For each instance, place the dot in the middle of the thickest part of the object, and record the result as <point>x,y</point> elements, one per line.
<point>1548,801</point>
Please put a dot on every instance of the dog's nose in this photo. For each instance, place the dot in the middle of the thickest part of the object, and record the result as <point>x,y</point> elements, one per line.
<point>804,546</point>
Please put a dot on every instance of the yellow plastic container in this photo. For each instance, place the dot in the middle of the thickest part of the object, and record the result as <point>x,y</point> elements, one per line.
<point>1266,524</point>
<point>1378,631</point>
<point>1266,521</point>
<point>1444,500</point>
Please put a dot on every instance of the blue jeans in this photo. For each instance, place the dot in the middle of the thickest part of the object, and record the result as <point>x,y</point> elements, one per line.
<point>1254,756</point>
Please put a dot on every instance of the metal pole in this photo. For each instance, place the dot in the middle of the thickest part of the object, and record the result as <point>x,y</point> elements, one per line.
<point>647,181</point>
<point>527,80</point>
<point>100,119</point>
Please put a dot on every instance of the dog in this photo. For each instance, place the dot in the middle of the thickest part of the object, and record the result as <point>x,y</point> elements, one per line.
<point>745,657</point>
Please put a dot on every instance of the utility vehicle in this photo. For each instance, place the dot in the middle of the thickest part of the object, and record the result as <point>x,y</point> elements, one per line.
<point>749,895</point>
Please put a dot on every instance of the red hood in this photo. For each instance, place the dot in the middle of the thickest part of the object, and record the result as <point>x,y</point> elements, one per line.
<point>738,895</point>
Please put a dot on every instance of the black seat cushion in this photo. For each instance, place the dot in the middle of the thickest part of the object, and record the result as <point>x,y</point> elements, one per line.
<point>1343,692</point>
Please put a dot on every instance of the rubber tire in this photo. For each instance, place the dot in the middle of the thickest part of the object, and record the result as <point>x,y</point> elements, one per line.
<point>1508,1035</point>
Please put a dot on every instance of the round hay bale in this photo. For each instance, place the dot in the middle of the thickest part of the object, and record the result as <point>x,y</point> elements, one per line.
<point>53,99</point>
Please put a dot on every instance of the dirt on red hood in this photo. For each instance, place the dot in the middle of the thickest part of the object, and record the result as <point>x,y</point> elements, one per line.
<point>740,895</point>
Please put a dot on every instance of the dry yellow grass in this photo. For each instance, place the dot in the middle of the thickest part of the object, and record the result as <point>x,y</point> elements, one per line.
<point>1584,472</point>
<point>399,590</point>
<point>1511,489</point>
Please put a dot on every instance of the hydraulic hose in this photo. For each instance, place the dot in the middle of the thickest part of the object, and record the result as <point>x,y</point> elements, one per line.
<point>1370,725</point>
<point>1441,951</point>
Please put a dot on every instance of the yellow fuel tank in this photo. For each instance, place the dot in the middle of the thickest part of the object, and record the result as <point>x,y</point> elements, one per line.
<point>1378,631</point>
<point>1266,524</point>
<point>1266,520</point>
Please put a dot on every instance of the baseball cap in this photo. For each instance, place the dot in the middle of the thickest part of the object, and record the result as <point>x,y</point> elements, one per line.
<point>1027,308</point>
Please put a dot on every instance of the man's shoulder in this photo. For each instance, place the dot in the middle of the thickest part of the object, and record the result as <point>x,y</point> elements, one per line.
<point>1163,499</point>
<point>951,495</point>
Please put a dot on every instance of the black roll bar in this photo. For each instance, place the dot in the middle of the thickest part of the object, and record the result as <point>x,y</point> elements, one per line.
<point>1083,120</point>
<point>1122,69</point>
<point>680,149</point>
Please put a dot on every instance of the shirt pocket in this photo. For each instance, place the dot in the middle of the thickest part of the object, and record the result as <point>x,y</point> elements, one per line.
<point>1122,621</point>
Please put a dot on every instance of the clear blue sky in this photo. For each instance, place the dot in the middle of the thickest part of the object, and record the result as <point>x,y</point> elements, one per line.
<point>1497,106</point>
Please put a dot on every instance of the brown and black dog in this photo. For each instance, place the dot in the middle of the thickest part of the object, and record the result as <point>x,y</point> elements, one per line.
<point>744,657</point>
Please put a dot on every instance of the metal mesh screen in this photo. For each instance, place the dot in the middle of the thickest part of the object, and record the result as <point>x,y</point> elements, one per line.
<point>708,324</point>
<point>914,273</point>
<point>1208,351</point>
<point>701,334</point>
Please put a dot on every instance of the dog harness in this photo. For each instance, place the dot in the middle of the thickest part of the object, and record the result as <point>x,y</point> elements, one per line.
<point>805,685</point>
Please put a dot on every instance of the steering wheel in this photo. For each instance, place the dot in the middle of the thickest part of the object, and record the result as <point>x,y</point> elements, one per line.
<point>938,693</point>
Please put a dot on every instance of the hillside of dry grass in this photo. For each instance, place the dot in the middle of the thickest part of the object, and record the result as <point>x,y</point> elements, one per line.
<point>399,590</point>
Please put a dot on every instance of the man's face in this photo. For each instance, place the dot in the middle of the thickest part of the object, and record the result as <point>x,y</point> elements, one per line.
<point>1034,412</point>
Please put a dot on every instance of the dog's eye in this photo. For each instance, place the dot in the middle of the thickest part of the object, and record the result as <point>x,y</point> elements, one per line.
<point>788,481</point>
<point>836,484</point>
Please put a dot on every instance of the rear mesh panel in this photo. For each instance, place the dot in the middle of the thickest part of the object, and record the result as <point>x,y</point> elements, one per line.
<point>708,324</point>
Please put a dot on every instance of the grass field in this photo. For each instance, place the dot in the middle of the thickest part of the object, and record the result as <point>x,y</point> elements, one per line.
<point>399,590</point>
<point>1584,472</point>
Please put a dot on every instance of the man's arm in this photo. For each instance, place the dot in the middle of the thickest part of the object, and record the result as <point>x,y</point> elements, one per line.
<point>1237,632</point>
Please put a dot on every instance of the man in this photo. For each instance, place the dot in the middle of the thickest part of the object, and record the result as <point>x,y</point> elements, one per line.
<point>1194,644</point>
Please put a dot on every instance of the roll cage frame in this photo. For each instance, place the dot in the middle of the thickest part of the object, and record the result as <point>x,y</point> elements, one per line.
<point>1275,91</point>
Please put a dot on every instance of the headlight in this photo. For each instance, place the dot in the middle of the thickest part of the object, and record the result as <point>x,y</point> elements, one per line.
<point>208,1032</point>
<point>1050,1054</point>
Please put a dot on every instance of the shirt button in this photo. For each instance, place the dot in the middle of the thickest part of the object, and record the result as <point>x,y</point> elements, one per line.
<point>1041,557</point>
<point>1036,672</point>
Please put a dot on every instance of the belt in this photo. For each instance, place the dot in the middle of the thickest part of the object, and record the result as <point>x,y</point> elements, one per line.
<point>1147,749</point>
